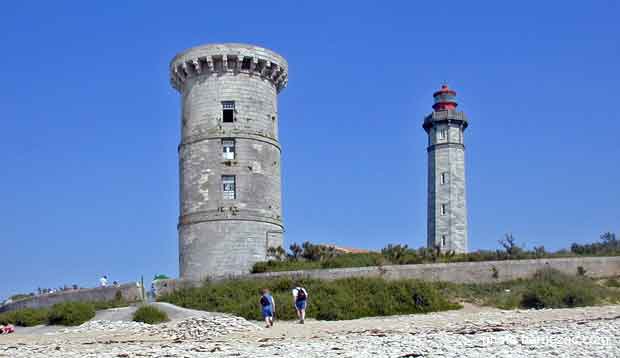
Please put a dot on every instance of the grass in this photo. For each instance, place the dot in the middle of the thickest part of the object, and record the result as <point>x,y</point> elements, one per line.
<point>67,313</point>
<point>150,315</point>
<point>328,300</point>
<point>364,297</point>
<point>547,289</point>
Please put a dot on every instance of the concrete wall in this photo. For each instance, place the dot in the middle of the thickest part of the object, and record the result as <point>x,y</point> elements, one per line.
<point>217,234</point>
<point>130,292</point>
<point>461,272</point>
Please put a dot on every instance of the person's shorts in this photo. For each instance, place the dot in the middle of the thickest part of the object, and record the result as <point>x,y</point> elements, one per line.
<point>300,305</point>
<point>267,312</point>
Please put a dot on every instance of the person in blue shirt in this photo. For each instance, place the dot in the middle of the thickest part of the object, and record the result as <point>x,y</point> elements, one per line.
<point>300,296</point>
<point>268,307</point>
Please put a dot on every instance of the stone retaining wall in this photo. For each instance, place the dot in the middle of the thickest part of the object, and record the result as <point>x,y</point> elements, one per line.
<point>458,272</point>
<point>130,292</point>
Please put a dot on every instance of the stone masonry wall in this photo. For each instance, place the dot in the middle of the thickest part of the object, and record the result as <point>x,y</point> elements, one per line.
<point>460,272</point>
<point>217,234</point>
<point>130,292</point>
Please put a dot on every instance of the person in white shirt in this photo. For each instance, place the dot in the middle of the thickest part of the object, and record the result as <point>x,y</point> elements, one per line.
<point>103,281</point>
<point>300,296</point>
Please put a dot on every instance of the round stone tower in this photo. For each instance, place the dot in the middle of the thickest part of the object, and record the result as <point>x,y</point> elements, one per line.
<point>229,157</point>
<point>447,204</point>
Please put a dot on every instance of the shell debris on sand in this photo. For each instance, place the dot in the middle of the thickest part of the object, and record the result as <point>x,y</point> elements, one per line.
<point>191,328</point>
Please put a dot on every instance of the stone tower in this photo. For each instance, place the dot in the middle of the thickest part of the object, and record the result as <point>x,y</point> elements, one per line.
<point>447,204</point>
<point>229,157</point>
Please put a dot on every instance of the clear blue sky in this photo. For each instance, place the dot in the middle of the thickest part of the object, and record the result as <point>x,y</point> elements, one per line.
<point>90,124</point>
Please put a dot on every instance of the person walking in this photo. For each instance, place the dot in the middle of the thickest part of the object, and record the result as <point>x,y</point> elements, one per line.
<point>268,307</point>
<point>300,296</point>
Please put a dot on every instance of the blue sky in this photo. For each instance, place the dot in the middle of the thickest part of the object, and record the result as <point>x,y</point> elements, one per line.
<point>90,124</point>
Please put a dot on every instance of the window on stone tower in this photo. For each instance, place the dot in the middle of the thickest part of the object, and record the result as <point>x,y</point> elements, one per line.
<point>228,187</point>
<point>443,133</point>
<point>228,149</point>
<point>228,111</point>
<point>443,240</point>
<point>443,178</point>
<point>443,209</point>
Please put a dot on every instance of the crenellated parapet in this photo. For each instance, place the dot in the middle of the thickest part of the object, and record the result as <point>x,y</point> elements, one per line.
<point>228,58</point>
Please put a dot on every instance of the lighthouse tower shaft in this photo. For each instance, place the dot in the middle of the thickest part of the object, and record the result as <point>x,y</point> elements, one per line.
<point>447,203</point>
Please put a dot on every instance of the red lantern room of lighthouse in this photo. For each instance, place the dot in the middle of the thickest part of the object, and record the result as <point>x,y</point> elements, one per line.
<point>445,99</point>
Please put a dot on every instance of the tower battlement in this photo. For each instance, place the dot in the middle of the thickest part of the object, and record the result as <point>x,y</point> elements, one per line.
<point>233,58</point>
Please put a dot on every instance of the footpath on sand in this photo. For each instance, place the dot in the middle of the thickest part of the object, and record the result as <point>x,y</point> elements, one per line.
<point>470,332</point>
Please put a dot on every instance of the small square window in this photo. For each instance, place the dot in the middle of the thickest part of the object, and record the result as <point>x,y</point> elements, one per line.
<point>228,149</point>
<point>228,187</point>
<point>228,111</point>
<point>443,209</point>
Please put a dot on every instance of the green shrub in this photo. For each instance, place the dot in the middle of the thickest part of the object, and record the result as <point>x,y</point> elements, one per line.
<point>553,289</point>
<point>276,266</point>
<point>71,313</point>
<point>354,260</point>
<point>581,271</point>
<point>328,300</point>
<point>104,305</point>
<point>26,317</point>
<point>150,315</point>
<point>612,282</point>
<point>546,289</point>
<point>311,256</point>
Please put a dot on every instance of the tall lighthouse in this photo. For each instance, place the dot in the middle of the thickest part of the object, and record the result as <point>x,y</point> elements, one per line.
<point>447,203</point>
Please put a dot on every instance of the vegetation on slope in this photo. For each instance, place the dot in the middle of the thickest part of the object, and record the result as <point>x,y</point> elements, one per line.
<point>364,297</point>
<point>67,313</point>
<point>328,300</point>
<point>547,289</point>
<point>310,256</point>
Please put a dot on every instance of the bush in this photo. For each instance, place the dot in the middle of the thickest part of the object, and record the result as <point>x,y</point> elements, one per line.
<point>354,260</point>
<point>26,317</point>
<point>328,300</point>
<point>150,315</point>
<point>116,302</point>
<point>71,313</point>
<point>553,289</point>
<point>612,282</point>
<point>310,256</point>
<point>546,289</point>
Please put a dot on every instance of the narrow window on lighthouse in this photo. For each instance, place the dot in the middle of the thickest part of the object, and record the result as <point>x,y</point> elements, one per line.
<point>443,133</point>
<point>228,149</point>
<point>228,187</point>
<point>443,178</point>
<point>443,209</point>
<point>228,111</point>
<point>443,240</point>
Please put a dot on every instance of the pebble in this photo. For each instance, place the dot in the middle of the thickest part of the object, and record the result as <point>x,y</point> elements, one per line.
<point>488,334</point>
